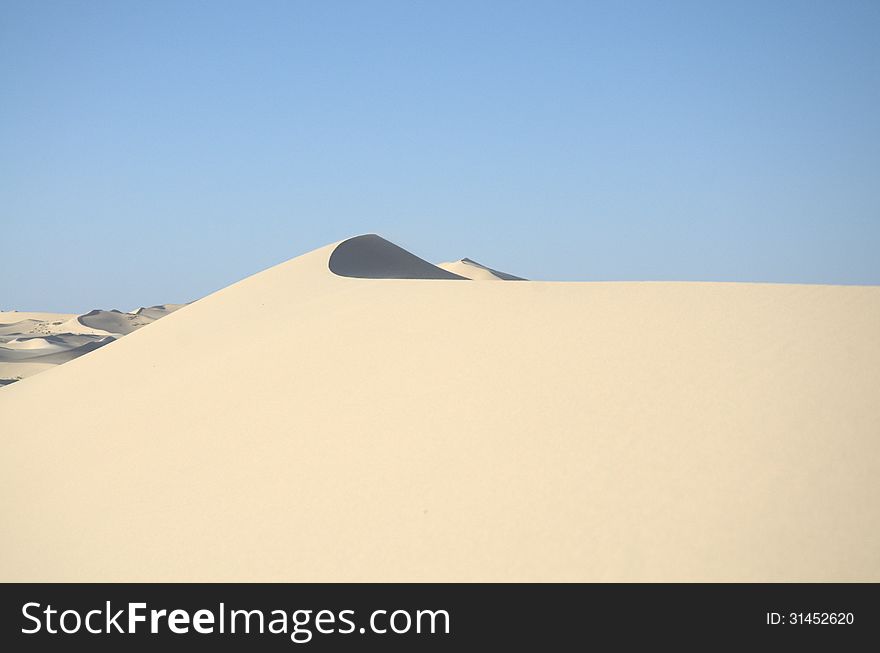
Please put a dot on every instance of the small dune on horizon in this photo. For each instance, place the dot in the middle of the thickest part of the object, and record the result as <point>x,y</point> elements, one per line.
<point>359,414</point>
<point>477,271</point>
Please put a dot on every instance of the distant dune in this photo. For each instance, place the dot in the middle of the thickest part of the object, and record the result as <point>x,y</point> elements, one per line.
<point>357,414</point>
<point>113,321</point>
<point>35,342</point>
<point>154,313</point>
<point>478,272</point>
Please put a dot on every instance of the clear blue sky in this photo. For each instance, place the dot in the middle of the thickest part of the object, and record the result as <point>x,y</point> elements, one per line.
<point>156,151</point>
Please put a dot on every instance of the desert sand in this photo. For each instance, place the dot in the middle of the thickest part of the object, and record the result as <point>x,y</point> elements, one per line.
<point>35,342</point>
<point>316,422</point>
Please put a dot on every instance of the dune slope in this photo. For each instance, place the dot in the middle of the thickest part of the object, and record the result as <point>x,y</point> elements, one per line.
<point>433,429</point>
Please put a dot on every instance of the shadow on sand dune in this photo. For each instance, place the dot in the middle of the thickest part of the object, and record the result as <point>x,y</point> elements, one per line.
<point>373,257</point>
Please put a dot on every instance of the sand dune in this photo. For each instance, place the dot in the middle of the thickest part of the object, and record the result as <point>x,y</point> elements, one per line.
<point>476,271</point>
<point>18,316</point>
<point>35,342</point>
<point>45,344</point>
<point>19,327</point>
<point>48,343</point>
<point>55,354</point>
<point>113,321</point>
<point>427,428</point>
<point>156,312</point>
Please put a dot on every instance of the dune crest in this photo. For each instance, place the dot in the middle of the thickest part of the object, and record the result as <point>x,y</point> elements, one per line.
<point>113,321</point>
<point>157,312</point>
<point>372,257</point>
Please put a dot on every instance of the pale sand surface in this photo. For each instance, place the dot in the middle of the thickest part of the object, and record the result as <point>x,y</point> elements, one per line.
<point>439,429</point>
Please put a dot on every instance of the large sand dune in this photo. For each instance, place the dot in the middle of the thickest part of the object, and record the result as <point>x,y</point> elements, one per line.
<point>431,428</point>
